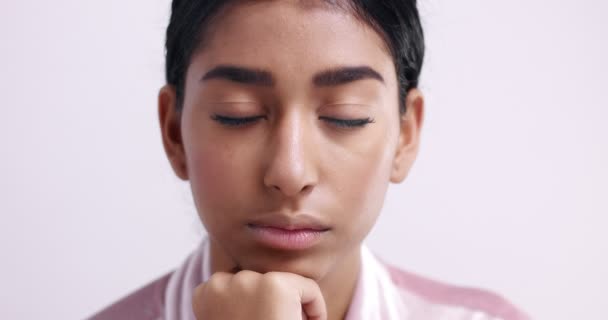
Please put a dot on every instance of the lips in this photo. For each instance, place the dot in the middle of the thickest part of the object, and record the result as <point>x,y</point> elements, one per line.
<point>288,232</point>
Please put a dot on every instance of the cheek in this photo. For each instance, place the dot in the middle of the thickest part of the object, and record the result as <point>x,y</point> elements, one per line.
<point>360,179</point>
<point>217,177</point>
<point>208,173</point>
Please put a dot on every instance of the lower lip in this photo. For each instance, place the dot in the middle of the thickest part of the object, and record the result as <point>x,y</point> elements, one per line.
<point>286,239</point>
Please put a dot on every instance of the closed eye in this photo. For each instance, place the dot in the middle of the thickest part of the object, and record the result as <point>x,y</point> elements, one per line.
<point>236,121</point>
<point>348,123</point>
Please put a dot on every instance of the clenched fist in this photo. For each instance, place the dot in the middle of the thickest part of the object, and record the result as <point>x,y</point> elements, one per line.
<point>248,295</point>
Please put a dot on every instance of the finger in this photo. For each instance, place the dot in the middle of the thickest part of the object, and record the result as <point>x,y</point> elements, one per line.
<point>218,282</point>
<point>311,297</point>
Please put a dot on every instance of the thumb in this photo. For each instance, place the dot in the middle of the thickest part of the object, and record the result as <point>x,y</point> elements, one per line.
<point>311,298</point>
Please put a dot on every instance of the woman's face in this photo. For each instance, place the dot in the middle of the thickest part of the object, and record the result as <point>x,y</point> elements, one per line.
<point>319,136</point>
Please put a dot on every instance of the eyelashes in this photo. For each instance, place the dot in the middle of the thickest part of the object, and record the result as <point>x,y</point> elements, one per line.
<point>348,123</point>
<point>236,122</point>
<point>339,123</point>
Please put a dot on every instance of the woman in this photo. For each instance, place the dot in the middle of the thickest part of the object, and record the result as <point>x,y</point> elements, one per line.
<point>290,119</point>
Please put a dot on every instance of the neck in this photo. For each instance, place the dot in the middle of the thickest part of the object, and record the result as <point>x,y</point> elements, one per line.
<point>339,284</point>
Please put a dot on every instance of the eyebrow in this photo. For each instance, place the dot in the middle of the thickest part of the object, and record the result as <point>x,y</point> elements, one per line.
<point>240,75</point>
<point>344,75</point>
<point>327,78</point>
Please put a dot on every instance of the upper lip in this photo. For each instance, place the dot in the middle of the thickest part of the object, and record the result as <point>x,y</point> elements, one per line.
<point>290,222</point>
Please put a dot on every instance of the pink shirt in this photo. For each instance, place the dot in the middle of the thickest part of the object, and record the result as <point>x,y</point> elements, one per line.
<point>382,292</point>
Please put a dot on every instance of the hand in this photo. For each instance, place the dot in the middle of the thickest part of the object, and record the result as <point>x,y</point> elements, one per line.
<point>248,295</point>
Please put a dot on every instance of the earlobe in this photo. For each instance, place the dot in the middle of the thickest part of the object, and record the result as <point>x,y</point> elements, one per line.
<point>170,125</point>
<point>409,136</point>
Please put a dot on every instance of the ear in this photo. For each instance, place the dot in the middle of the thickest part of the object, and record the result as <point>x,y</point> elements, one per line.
<point>409,136</point>
<point>170,126</point>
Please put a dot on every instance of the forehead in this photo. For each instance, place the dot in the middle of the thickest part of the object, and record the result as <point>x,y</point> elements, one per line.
<point>289,38</point>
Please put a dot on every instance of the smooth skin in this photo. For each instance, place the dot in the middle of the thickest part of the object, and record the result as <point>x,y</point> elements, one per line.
<point>299,146</point>
<point>251,295</point>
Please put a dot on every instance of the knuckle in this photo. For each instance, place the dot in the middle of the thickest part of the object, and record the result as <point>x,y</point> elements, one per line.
<point>217,282</point>
<point>246,274</point>
<point>274,280</point>
<point>243,281</point>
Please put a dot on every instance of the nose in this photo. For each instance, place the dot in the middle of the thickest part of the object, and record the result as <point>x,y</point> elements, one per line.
<point>291,158</point>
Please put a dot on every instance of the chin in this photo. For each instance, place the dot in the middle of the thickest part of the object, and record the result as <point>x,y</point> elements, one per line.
<point>313,265</point>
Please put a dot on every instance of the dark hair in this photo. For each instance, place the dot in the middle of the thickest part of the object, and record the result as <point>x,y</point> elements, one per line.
<point>397,21</point>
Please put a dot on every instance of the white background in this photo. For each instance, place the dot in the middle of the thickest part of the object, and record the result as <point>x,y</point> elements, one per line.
<point>510,191</point>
